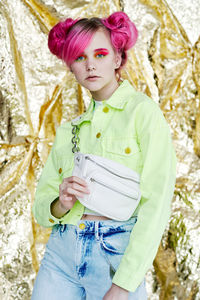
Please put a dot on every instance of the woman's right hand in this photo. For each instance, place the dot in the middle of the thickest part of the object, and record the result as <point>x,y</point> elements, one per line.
<point>71,188</point>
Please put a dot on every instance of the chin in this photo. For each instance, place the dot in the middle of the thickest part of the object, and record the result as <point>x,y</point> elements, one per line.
<point>93,87</point>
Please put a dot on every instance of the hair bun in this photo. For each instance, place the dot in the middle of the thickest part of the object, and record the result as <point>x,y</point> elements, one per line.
<point>123,31</point>
<point>57,36</point>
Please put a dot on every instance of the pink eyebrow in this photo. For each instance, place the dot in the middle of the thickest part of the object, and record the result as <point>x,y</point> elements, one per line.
<point>101,49</point>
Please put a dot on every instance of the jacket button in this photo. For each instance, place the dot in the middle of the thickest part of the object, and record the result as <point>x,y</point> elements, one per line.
<point>82,226</point>
<point>98,135</point>
<point>128,150</point>
<point>60,170</point>
<point>105,109</point>
<point>51,220</point>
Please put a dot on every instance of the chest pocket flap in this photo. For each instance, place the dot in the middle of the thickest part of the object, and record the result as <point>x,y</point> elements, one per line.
<point>121,146</point>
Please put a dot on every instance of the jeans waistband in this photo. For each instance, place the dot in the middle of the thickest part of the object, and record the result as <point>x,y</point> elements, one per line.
<point>91,227</point>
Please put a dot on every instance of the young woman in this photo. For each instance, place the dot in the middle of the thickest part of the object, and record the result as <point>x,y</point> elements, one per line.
<point>90,256</point>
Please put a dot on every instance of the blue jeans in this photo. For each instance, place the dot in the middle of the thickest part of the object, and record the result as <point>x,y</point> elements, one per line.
<point>80,261</point>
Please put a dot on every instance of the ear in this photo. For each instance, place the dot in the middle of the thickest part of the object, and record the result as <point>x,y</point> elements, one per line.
<point>118,60</point>
<point>70,68</point>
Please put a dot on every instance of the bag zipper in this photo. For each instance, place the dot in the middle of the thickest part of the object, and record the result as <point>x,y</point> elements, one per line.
<point>101,183</point>
<point>87,157</point>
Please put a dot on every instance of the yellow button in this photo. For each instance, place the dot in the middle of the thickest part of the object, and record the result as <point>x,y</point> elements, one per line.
<point>98,135</point>
<point>105,109</point>
<point>50,220</point>
<point>128,150</point>
<point>82,226</point>
<point>60,170</point>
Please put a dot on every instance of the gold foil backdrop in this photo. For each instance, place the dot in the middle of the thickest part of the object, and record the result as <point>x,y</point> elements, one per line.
<point>38,93</point>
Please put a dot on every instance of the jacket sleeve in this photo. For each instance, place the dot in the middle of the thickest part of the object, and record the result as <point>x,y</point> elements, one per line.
<point>48,188</point>
<point>157,187</point>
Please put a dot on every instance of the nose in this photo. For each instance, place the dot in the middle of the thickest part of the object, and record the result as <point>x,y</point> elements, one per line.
<point>90,65</point>
<point>90,68</point>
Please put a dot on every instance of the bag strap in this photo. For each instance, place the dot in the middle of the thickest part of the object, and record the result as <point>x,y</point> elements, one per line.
<point>75,138</point>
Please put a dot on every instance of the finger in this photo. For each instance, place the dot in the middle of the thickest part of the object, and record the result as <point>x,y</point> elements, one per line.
<point>64,188</point>
<point>78,187</point>
<point>75,179</point>
<point>75,193</point>
<point>65,202</point>
<point>66,198</point>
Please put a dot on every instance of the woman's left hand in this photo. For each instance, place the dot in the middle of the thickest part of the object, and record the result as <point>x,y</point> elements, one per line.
<point>116,293</point>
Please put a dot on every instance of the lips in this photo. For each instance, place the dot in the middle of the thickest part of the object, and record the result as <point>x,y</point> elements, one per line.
<point>92,77</point>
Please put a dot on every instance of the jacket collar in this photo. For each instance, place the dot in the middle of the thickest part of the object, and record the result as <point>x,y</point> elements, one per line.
<point>118,100</point>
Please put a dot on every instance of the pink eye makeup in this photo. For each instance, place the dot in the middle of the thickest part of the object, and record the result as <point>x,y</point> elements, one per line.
<point>101,53</point>
<point>81,57</point>
<point>98,53</point>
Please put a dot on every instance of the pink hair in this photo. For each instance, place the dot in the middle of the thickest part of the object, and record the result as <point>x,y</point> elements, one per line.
<point>68,39</point>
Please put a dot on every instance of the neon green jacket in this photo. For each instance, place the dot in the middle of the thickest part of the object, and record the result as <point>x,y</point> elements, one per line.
<point>129,128</point>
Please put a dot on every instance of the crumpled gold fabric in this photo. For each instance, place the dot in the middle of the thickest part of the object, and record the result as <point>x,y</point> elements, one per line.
<point>38,93</point>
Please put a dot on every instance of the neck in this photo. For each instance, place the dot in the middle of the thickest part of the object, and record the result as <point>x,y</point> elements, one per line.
<point>106,92</point>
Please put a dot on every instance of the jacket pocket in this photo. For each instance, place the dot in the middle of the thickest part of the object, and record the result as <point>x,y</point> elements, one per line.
<point>123,150</point>
<point>121,146</point>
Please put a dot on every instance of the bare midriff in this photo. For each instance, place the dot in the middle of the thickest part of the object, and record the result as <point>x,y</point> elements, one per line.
<point>93,217</point>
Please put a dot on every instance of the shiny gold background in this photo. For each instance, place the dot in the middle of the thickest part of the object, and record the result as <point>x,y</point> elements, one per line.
<point>38,93</point>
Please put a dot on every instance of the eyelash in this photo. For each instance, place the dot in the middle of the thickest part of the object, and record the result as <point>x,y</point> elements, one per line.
<point>102,55</point>
<point>79,58</point>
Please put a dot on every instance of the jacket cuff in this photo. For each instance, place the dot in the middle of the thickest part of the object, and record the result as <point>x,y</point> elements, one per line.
<point>43,214</point>
<point>123,280</point>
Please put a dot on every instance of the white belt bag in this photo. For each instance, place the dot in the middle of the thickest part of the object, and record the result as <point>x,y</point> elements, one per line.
<point>114,188</point>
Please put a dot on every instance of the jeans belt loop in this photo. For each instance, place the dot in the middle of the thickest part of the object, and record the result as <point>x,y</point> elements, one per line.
<point>97,230</point>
